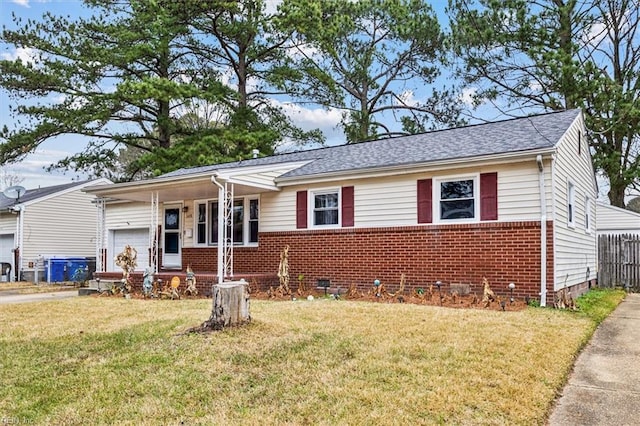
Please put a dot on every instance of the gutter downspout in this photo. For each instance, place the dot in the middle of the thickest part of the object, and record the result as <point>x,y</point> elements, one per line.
<point>221,225</point>
<point>17,256</point>
<point>543,233</point>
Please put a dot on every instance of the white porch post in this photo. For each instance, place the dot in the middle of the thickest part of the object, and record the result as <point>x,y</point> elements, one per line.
<point>154,238</point>
<point>225,228</point>
<point>100,235</point>
<point>228,239</point>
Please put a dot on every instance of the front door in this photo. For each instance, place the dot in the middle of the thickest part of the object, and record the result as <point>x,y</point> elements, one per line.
<point>172,253</point>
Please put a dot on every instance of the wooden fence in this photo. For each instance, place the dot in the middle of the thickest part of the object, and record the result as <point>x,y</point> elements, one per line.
<point>619,261</point>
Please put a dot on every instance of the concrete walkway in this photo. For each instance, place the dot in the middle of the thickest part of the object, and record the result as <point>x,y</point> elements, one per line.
<point>604,387</point>
<point>36,297</point>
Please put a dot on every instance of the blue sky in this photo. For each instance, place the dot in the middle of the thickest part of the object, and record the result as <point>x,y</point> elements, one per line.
<point>31,168</point>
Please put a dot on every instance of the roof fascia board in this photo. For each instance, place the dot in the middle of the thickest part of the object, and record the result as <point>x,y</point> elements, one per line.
<point>237,181</point>
<point>162,182</point>
<point>416,168</point>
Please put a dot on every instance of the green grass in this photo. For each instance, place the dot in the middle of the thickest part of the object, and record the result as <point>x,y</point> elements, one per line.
<point>101,360</point>
<point>597,304</point>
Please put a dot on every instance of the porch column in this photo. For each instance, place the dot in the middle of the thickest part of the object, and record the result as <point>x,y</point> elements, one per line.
<point>100,235</point>
<point>225,228</point>
<point>228,238</point>
<point>153,233</point>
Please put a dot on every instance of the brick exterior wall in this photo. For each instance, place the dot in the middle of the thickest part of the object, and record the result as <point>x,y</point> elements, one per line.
<point>453,254</point>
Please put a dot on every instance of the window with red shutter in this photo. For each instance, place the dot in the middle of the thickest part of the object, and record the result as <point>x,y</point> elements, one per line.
<point>347,206</point>
<point>301,209</point>
<point>425,210</point>
<point>489,196</point>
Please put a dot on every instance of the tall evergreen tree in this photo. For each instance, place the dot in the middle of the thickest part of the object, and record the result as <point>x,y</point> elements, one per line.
<point>367,58</point>
<point>557,54</point>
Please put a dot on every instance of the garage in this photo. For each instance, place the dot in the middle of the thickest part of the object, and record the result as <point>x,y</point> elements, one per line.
<point>136,238</point>
<point>6,255</point>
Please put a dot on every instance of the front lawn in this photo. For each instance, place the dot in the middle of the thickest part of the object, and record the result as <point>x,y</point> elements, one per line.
<point>101,360</point>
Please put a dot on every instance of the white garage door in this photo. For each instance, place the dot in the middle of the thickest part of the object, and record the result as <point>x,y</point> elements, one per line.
<point>6,253</point>
<point>136,238</point>
<point>6,247</point>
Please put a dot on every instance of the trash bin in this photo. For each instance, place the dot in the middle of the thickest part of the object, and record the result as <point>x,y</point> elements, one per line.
<point>55,269</point>
<point>77,269</point>
<point>5,272</point>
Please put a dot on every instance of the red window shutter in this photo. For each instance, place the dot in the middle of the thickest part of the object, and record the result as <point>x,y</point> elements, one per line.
<point>347,206</point>
<point>489,196</point>
<point>425,211</point>
<point>301,209</point>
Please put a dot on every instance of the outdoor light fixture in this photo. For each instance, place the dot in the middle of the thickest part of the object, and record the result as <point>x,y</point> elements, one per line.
<point>512,286</point>
<point>439,284</point>
<point>98,281</point>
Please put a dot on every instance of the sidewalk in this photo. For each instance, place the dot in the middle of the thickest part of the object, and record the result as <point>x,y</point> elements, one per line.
<point>36,297</point>
<point>604,387</point>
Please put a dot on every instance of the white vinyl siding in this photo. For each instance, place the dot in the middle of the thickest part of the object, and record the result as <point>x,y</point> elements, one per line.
<point>128,215</point>
<point>614,220</point>
<point>8,223</point>
<point>392,201</point>
<point>574,249</point>
<point>63,225</point>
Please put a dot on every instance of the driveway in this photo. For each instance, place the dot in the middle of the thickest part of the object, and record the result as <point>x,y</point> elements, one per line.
<point>36,297</point>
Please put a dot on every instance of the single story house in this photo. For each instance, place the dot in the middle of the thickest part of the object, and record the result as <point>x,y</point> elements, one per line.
<point>45,223</point>
<point>513,201</point>
<point>614,220</point>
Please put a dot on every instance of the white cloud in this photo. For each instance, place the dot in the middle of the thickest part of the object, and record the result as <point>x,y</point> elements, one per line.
<point>313,118</point>
<point>24,3</point>
<point>597,32</point>
<point>407,98</point>
<point>77,103</point>
<point>271,6</point>
<point>467,96</point>
<point>25,54</point>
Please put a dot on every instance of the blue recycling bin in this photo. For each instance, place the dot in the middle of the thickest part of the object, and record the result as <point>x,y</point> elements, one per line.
<point>59,269</point>
<point>55,270</point>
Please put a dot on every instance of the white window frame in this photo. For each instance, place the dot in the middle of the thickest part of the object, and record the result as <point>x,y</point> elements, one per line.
<point>312,203</point>
<point>571,204</point>
<point>587,214</point>
<point>245,221</point>
<point>437,197</point>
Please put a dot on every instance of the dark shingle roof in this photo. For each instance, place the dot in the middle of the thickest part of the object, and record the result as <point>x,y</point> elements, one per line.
<point>510,136</point>
<point>34,194</point>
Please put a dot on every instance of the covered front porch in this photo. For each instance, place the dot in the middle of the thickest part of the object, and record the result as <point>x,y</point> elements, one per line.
<point>175,205</point>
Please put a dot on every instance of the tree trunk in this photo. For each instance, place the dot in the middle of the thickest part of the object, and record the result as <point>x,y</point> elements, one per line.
<point>230,306</point>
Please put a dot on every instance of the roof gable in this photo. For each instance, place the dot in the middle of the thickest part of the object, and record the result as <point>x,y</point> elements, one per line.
<point>37,194</point>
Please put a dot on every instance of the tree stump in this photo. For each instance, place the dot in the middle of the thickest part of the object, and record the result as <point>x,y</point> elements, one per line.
<point>230,306</point>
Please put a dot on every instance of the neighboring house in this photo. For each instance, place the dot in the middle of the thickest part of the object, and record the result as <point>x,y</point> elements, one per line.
<point>513,201</point>
<point>615,220</point>
<point>55,221</point>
